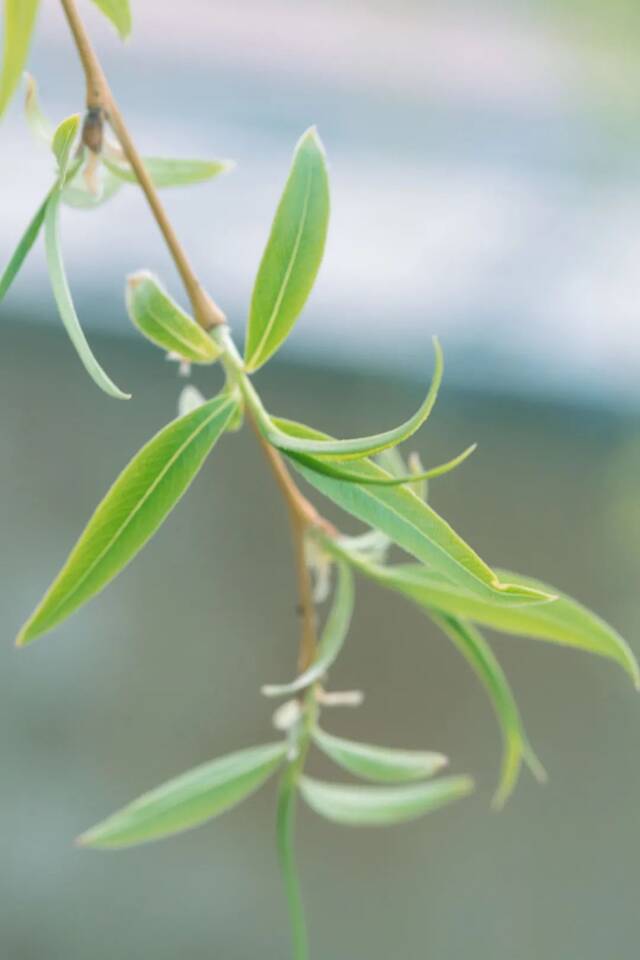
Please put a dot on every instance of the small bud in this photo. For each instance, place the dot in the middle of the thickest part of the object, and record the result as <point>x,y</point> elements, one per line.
<point>189,400</point>
<point>287,715</point>
<point>93,129</point>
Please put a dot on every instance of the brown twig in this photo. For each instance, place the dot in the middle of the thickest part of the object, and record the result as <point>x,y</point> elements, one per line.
<point>100,98</point>
<point>302,513</point>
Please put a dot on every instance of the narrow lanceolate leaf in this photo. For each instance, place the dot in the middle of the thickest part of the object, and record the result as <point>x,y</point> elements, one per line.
<point>562,621</point>
<point>22,250</point>
<point>131,512</point>
<point>333,637</point>
<point>63,141</point>
<point>478,653</point>
<point>293,254</point>
<point>312,442</point>
<point>78,194</point>
<point>119,13</point>
<point>38,123</point>
<point>168,172</point>
<point>188,800</point>
<point>352,475</point>
<point>416,527</point>
<point>379,763</point>
<point>64,301</point>
<point>19,20</point>
<point>160,319</point>
<point>381,806</point>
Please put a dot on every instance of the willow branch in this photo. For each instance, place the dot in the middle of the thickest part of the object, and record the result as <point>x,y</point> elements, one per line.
<point>100,98</point>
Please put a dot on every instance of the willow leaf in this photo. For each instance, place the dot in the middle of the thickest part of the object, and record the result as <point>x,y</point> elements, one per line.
<point>293,254</point>
<point>131,512</point>
<point>478,653</point>
<point>379,763</point>
<point>333,637</point>
<point>351,475</point>
<point>63,140</point>
<point>357,806</point>
<point>163,322</point>
<point>119,13</point>
<point>285,836</point>
<point>168,172</point>
<point>38,123</point>
<point>188,800</point>
<point>563,621</point>
<point>64,301</point>
<point>22,250</point>
<point>416,527</point>
<point>19,21</point>
<point>361,446</point>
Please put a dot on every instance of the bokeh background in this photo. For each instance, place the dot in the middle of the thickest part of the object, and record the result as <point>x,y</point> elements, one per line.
<point>486,187</point>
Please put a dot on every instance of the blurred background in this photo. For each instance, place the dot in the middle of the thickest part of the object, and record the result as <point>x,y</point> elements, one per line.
<point>485,182</point>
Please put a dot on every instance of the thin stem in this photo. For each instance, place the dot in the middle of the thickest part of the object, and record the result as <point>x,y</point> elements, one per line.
<point>100,97</point>
<point>285,827</point>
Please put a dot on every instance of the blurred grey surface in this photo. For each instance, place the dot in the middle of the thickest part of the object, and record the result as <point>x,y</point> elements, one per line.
<point>163,671</point>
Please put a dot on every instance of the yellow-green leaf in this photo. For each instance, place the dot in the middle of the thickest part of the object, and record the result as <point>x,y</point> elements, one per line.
<point>293,254</point>
<point>19,21</point>
<point>168,172</point>
<point>119,13</point>
<point>131,512</point>
<point>160,319</point>
<point>383,764</point>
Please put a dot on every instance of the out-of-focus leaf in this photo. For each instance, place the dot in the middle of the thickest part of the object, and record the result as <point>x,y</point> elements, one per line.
<point>167,172</point>
<point>131,512</point>
<point>38,122</point>
<point>351,475</point>
<point>293,254</point>
<point>77,194</point>
<point>63,141</point>
<point>119,13</point>
<point>285,833</point>
<point>517,748</point>
<point>333,637</point>
<point>415,527</point>
<point>19,21</point>
<point>357,806</point>
<point>563,621</point>
<point>64,301</point>
<point>163,322</point>
<point>28,239</point>
<point>189,400</point>
<point>306,440</point>
<point>188,800</point>
<point>379,763</point>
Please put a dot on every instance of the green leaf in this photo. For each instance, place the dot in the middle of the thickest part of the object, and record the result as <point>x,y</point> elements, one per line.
<point>285,834</point>
<point>563,621</point>
<point>188,800</point>
<point>167,172</point>
<point>381,806</point>
<point>19,21</point>
<point>305,440</point>
<point>22,250</point>
<point>38,122</point>
<point>119,13</point>
<point>162,321</point>
<point>77,194</point>
<point>293,254</point>
<point>414,526</point>
<point>63,141</point>
<point>64,301</point>
<point>517,748</point>
<point>131,512</point>
<point>353,476</point>
<point>332,640</point>
<point>379,763</point>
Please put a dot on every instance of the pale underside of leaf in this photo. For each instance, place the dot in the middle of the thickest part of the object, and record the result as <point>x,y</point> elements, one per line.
<point>331,642</point>
<point>19,21</point>
<point>188,800</point>
<point>382,764</point>
<point>171,172</point>
<point>131,512</point>
<point>358,806</point>
<point>296,438</point>
<point>64,301</point>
